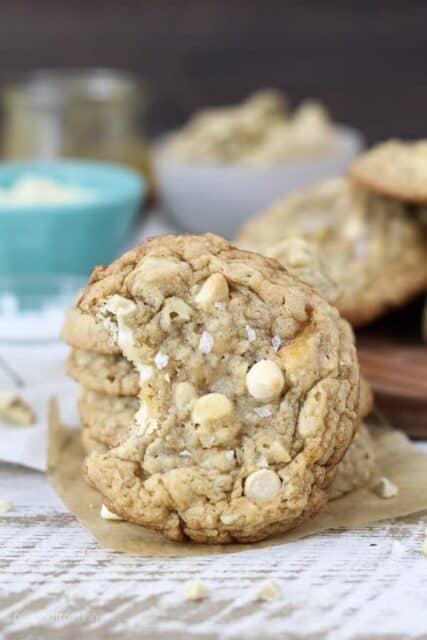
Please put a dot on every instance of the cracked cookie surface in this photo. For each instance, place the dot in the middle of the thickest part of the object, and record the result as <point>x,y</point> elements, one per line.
<point>248,397</point>
<point>373,248</point>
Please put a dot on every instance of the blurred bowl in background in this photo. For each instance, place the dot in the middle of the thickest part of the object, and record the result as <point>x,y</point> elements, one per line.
<point>69,236</point>
<point>220,198</point>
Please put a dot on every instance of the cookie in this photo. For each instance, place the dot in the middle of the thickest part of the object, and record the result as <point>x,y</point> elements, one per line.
<point>357,467</point>
<point>90,444</point>
<point>106,373</point>
<point>82,331</point>
<point>107,417</point>
<point>373,248</point>
<point>395,168</point>
<point>249,386</point>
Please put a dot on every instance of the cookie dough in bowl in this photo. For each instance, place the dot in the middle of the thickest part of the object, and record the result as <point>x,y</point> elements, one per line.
<point>249,390</point>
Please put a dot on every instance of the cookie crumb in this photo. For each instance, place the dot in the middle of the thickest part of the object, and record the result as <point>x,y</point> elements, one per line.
<point>14,410</point>
<point>106,514</point>
<point>276,342</point>
<point>251,333</point>
<point>398,548</point>
<point>268,591</point>
<point>161,360</point>
<point>385,488</point>
<point>195,590</point>
<point>263,412</point>
<point>5,506</point>
<point>206,342</point>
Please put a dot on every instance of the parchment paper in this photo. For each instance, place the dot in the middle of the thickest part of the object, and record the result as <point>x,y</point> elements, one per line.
<point>396,458</point>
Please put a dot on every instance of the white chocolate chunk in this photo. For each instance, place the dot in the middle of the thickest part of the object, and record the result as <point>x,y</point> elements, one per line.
<point>229,518</point>
<point>214,289</point>
<point>5,506</point>
<point>262,485</point>
<point>120,306</point>
<point>106,514</point>
<point>206,342</point>
<point>268,591</point>
<point>195,590</point>
<point>265,380</point>
<point>385,488</point>
<point>212,406</point>
<point>184,394</point>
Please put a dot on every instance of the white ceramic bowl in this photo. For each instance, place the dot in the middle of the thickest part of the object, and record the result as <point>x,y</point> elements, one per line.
<point>219,198</point>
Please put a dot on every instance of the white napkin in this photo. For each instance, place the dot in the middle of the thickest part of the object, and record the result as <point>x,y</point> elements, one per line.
<point>41,369</point>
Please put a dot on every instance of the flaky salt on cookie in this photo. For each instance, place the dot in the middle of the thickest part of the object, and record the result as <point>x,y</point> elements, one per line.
<point>238,434</point>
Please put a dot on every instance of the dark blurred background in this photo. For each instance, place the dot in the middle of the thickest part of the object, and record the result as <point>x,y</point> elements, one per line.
<point>365,60</point>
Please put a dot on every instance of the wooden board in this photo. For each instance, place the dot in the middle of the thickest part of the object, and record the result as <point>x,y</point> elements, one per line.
<point>393,358</point>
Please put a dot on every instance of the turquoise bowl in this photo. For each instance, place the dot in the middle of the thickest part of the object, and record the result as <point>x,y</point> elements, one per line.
<point>69,237</point>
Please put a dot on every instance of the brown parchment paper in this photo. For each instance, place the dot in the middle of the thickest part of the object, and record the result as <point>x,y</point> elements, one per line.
<point>397,459</point>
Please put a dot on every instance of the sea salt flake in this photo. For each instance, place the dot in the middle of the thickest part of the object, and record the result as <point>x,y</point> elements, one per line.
<point>185,453</point>
<point>218,305</point>
<point>251,333</point>
<point>206,342</point>
<point>229,454</point>
<point>161,360</point>
<point>261,462</point>
<point>263,412</point>
<point>167,377</point>
<point>276,342</point>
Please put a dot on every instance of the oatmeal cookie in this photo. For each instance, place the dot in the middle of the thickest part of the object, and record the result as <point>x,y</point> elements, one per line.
<point>395,168</point>
<point>107,417</point>
<point>107,373</point>
<point>248,399</point>
<point>82,331</point>
<point>372,247</point>
<point>357,467</point>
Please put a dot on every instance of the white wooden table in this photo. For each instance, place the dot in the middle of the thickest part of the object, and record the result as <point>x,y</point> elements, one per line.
<point>55,581</point>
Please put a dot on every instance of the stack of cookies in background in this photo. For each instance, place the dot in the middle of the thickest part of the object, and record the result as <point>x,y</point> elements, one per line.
<point>368,230</point>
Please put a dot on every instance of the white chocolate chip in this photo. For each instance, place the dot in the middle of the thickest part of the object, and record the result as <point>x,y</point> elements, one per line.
<point>206,342</point>
<point>268,591</point>
<point>214,289</point>
<point>195,590</point>
<point>184,394</point>
<point>229,518</point>
<point>276,343</point>
<point>265,380</point>
<point>161,360</point>
<point>212,406</point>
<point>385,488</point>
<point>262,485</point>
<point>263,412</point>
<point>5,506</point>
<point>106,514</point>
<point>250,333</point>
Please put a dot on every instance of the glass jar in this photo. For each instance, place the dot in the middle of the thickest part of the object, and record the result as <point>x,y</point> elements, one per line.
<point>81,114</point>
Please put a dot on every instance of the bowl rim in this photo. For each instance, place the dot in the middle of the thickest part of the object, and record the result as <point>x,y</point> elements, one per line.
<point>132,185</point>
<point>353,141</point>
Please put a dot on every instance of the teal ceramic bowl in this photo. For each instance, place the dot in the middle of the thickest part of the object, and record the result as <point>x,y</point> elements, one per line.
<point>72,236</point>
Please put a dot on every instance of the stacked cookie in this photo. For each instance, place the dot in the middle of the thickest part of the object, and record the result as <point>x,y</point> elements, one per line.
<point>220,392</point>
<point>365,229</point>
